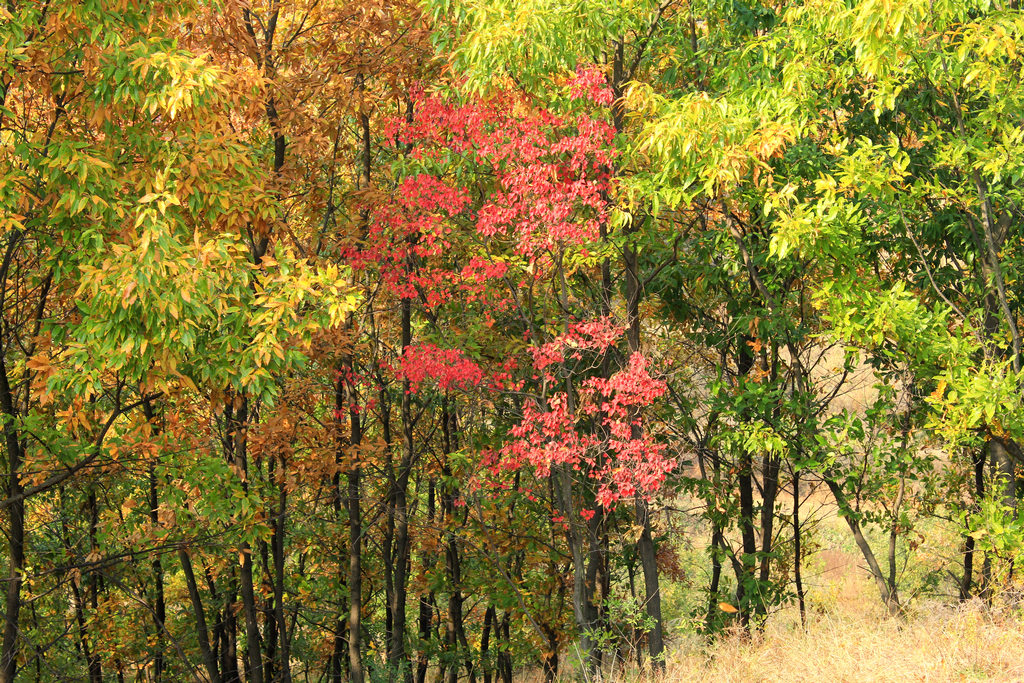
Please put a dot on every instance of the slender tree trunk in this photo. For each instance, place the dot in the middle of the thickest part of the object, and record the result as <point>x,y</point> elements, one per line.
<point>717,541</point>
<point>744,565</point>
<point>427,599</point>
<point>355,578</point>
<point>228,628</point>
<point>269,611</point>
<point>92,506</point>
<point>563,496</point>
<point>339,652</point>
<point>771,466</point>
<point>485,643</point>
<point>1003,466</point>
<point>593,576</point>
<point>355,534</point>
<point>202,633</point>
<point>159,602</point>
<point>894,530</point>
<point>277,549</point>
<point>978,461</point>
<point>232,674</point>
<point>236,423</point>
<point>398,661</point>
<point>388,549</point>
<point>797,575</point>
<point>456,629</point>
<point>253,654</point>
<point>83,635</point>
<point>355,518</point>
<point>550,657</point>
<point>645,544</point>
<point>14,489</point>
<point>717,549</point>
<point>505,658</point>
<point>15,551</point>
<point>888,593</point>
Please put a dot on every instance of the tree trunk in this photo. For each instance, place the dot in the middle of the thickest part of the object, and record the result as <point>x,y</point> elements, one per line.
<point>160,605</point>
<point>398,663</point>
<point>888,593</point>
<point>355,518</point>
<point>355,578</point>
<point>202,633</point>
<point>978,461</point>
<point>228,627</point>
<point>236,423</point>
<point>15,552</point>
<point>550,657</point>
<point>505,658</point>
<point>645,544</point>
<point>456,629</point>
<point>16,514</point>
<point>743,566</point>
<point>797,576</point>
<point>771,466</point>
<point>485,643</point>
<point>717,543</point>
<point>277,549</point>
<point>427,600</point>
<point>92,506</point>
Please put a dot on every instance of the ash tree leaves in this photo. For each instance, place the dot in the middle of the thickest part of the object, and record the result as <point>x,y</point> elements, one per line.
<point>150,215</point>
<point>536,40</point>
<point>200,312</point>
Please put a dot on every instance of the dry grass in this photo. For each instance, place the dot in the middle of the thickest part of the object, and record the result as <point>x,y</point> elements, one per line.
<point>849,637</point>
<point>965,644</point>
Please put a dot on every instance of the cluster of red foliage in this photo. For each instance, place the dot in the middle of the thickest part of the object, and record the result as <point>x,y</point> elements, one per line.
<point>624,460</point>
<point>546,190</point>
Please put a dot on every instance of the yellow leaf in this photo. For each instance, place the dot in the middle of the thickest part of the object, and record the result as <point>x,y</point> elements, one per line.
<point>726,607</point>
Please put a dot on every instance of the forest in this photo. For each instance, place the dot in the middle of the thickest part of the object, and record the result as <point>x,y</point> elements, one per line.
<point>491,341</point>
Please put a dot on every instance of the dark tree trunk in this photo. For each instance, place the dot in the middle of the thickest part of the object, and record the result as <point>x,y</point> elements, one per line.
<point>485,644</point>
<point>645,544</point>
<point>339,651</point>
<point>978,461</point>
<point>744,565</point>
<point>426,600</point>
<point>159,601</point>
<point>14,489</point>
<point>771,466</point>
<point>426,628</point>
<point>550,659</point>
<point>236,423</point>
<point>270,632</point>
<point>277,550</point>
<point>505,657</point>
<point>455,629</point>
<point>717,548</point>
<point>355,518</point>
<point>92,506</point>
<point>15,551</point>
<point>355,578</point>
<point>398,661</point>
<point>797,575</point>
<point>202,633</point>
